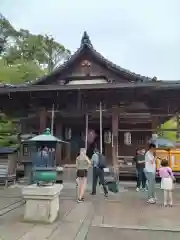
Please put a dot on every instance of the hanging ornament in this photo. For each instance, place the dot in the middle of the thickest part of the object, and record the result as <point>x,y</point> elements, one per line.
<point>127,138</point>
<point>68,133</point>
<point>107,137</point>
<point>91,136</point>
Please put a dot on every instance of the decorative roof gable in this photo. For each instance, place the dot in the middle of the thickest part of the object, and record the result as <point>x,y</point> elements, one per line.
<point>86,40</point>
<point>87,45</point>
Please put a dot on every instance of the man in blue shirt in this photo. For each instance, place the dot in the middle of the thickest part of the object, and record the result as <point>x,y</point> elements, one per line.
<point>98,173</point>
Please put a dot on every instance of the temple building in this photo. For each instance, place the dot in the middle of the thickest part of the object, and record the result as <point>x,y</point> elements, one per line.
<point>91,102</point>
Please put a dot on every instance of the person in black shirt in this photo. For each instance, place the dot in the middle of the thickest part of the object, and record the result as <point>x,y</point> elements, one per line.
<point>140,165</point>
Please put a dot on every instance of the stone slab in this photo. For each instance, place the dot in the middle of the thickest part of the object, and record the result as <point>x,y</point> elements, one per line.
<point>7,202</point>
<point>103,233</point>
<point>132,210</point>
<point>72,223</point>
<point>15,231</point>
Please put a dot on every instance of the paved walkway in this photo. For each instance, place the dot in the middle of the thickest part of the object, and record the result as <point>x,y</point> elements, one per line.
<point>125,215</point>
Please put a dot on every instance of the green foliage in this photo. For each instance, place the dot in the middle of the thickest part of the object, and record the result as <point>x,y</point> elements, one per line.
<point>26,56</point>
<point>52,53</point>
<point>43,50</point>
<point>171,135</point>
<point>7,33</point>
<point>19,72</point>
<point>8,133</point>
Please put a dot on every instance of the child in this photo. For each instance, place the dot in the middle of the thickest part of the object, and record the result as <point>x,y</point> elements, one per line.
<point>167,182</point>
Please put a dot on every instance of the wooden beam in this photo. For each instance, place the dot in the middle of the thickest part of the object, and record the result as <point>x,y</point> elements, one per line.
<point>147,130</point>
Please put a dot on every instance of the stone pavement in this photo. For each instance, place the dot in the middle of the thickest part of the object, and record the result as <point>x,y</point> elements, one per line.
<point>125,215</point>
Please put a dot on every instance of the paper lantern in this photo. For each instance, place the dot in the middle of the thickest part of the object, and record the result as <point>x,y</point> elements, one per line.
<point>107,137</point>
<point>68,133</point>
<point>127,138</point>
<point>91,136</point>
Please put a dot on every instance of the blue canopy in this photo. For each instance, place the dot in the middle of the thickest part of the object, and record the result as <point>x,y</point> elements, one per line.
<point>163,142</point>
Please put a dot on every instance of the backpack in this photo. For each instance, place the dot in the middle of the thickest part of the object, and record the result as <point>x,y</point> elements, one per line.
<point>102,161</point>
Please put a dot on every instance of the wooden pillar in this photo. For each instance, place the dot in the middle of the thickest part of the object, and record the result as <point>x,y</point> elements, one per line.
<point>59,146</point>
<point>154,124</point>
<point>42,120</point>
<point>115,127</point>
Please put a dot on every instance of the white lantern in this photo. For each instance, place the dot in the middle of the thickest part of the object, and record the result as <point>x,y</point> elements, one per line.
<point>107,137</point>
<point>127,138</point>
<point>68,133</point>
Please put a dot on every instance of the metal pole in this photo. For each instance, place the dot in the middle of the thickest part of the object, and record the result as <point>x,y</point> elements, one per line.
<point>86,136</point>
<point>100,125</point>
<point>52,119</point>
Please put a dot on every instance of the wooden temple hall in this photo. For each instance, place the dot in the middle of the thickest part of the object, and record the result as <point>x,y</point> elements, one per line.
<point>91,102</point>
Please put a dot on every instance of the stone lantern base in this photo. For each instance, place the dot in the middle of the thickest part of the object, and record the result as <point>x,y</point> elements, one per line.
<point>42,203</point>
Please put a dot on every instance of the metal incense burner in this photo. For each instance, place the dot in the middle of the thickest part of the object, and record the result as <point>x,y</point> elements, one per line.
<point>43,156</point>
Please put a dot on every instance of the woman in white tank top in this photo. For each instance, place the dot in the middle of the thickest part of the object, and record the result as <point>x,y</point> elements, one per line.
<point>82,165</point>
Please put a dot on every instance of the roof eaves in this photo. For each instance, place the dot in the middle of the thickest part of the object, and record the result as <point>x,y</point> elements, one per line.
<point>120,69</point>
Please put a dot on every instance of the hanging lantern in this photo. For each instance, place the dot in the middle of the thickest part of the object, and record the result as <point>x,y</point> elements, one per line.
<point>127,138</point>
<point>107,137</point>
<point>68,133</point>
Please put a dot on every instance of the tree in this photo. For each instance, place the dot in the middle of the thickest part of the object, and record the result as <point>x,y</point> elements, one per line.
<point>53,53</point>
<point>23,45</point>
<point>7,33</point>
<point>44,50</point>
<point>8,133</point>
<point>19,72</point>
<point>171,135</point>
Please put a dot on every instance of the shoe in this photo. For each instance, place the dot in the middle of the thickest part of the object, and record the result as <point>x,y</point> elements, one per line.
<point>137,189</point>
<point>143,189</point>
<point>106,195</point>
<point>79,200</point>
<point>93,193</point>
<point>151,201</point>
<point>155,199</point>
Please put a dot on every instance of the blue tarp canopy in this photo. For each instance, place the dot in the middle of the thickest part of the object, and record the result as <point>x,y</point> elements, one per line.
<point>163,143</point>
<point>7,150</point>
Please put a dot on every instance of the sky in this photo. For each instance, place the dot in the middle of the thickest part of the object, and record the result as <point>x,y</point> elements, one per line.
<point>140,35</point>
